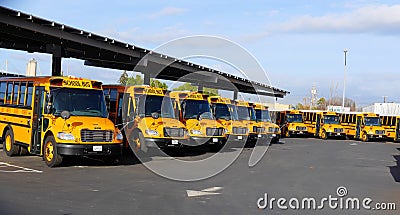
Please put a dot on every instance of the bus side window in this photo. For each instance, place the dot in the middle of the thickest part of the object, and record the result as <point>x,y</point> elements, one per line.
<point>3,86</point>
<point>29,93</point>
<point>113,100</point>
<point>9,93</point>
<point>22,94</point>
<point>15,93</point>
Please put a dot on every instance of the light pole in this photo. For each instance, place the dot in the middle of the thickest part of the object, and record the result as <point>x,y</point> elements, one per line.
<point>344,81</point>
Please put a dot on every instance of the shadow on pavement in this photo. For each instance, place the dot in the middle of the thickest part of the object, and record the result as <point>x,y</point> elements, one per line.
<point>395,170</point>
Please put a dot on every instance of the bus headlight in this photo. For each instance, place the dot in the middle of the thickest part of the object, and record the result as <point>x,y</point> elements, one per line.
<point>152,132</point>
<point>226,131</point>
<point>196,132</point>
<point>370,132</point>
<point>65,136</point>
<point>119,136</point>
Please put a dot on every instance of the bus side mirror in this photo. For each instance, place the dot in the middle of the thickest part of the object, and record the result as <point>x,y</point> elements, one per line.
<point>155,115</point>
<point>65,114</point>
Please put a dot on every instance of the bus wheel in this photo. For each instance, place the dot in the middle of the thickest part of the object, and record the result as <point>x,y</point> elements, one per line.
<point>8,146</point>
<point>138,142</point>
<point>365,137</point>
<point>323,135</point>
<point>51,156</point>
<point>23,151</point>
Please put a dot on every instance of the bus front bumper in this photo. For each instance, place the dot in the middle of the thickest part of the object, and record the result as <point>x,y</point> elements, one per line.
<point>89,149</point>
<point>197,141</point>
<point>165,142</point>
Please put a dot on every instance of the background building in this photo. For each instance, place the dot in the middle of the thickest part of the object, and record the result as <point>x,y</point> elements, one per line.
<point>383,108</point>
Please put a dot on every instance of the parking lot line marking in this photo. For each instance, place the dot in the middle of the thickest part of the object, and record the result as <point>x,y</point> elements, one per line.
<point>204,192</point>
<point>19,168</point>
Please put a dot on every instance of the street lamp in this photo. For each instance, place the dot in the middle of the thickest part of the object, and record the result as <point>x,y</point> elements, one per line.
<point>344,81</point>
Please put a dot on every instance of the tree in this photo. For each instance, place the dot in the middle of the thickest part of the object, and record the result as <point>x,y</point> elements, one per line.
<point>321,104</point>
<point>138,80</point>
<point>123,78</point>
<point>191,88</point>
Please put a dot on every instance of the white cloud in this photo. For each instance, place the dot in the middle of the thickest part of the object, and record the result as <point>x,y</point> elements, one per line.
<point>167,11</point>
<point>380,19</point>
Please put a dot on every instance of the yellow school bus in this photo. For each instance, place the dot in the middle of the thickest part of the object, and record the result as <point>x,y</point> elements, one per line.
<point>264,117</point>
<point>54,117</point>
<point>391,124</point>
<point>247,116</point>
<point>226,114</point>
<point>146,117</point>
<point>324,124</point>
<point>195,113</point>
<point>291,123</point>
<point>363,126</point>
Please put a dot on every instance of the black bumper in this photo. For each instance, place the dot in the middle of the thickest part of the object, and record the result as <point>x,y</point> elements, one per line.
<point>333,134</point>
<point>197,141</point>
<point>89,149</point>
<point>165,142</point>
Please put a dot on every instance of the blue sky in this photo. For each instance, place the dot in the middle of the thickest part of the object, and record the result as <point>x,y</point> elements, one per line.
<point>299,43</point>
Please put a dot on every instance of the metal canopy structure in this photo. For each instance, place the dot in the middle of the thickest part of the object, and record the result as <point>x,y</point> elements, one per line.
<point>21,31</point>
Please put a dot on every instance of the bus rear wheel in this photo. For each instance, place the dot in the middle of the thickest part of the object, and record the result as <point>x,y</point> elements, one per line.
<point>50,154</point>
<point>9,146</point>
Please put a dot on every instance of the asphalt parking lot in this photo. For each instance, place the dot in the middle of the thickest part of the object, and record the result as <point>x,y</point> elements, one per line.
<point>294,168</point>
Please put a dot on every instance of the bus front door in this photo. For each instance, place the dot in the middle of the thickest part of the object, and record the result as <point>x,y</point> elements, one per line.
<point>358,128</point>
<point>397,131</point>
<point>37,120</point>
<point>317,125</point>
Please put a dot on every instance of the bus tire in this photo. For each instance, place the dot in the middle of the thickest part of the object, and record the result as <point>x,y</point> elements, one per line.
<point>8,145</point>
<point>23,150</point>
<point>50,154</point>
<point>365,137</point>
<point>138,142</point>
<point>323,135</point>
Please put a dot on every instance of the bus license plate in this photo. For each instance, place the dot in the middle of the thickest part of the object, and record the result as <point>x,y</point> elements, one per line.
<point>259,135</point>
<point>97,148</point>
<point>300,132</point>
<point>240,137</point>
<point>380,136</point>
<point>174,142</point>
<point>215,140</point>
<point>274,135</point>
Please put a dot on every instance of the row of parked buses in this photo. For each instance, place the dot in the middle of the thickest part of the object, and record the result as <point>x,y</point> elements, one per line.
<point>56,117</point>
<point>327,124</point>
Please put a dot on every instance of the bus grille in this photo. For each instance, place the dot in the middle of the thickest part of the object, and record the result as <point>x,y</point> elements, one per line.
<point>239,130</point>
<point>338,130</point>
<point>380,132</point>
<point>214,131</point>
<point>96,135</point>
<point>271,129</point>
<point>174,132</point>
<point>258,129</point>
<point>301,128</point>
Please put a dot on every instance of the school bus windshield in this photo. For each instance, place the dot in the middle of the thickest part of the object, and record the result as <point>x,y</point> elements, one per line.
<point>331,120</point>
<point>294,118</point>
<point>155,104</point>
<point>263,116</point>
<point>243,113</point>
<point>372,121</point>
<point>79,102</point>
<point>194,108</point>
<point>223,111</point>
